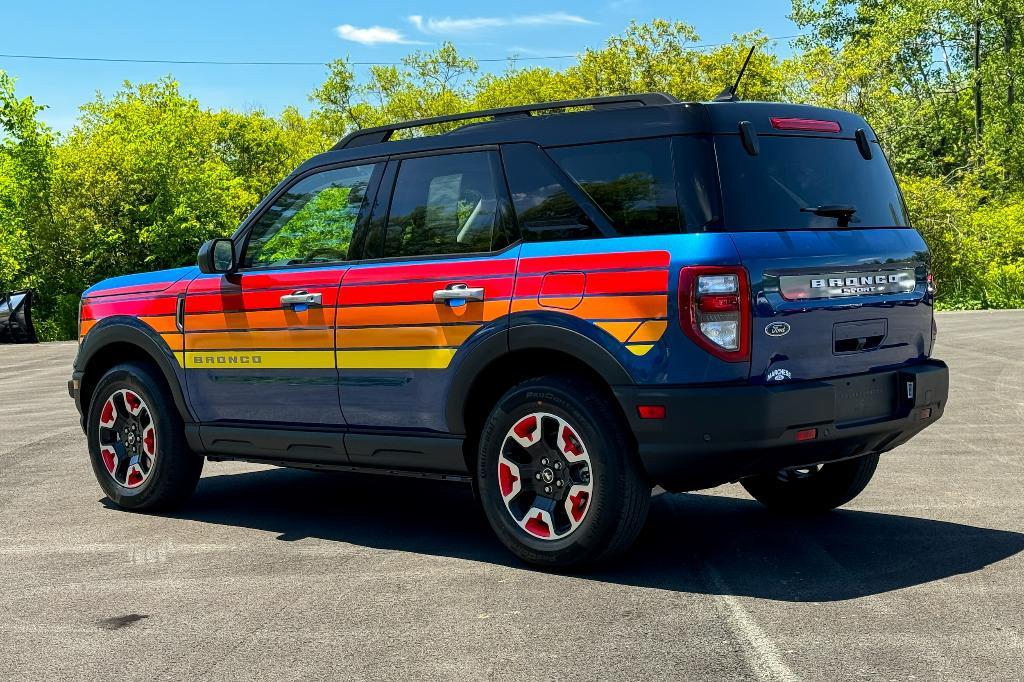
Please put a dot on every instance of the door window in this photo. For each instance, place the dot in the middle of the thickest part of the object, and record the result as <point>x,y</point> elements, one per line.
<point>447,204</point>
<point>313,221</point>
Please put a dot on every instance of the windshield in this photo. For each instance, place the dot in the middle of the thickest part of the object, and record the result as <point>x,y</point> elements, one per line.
<point>802,183</point>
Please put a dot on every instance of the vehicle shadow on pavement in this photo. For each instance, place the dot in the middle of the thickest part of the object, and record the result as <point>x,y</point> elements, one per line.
<point>692,542</point>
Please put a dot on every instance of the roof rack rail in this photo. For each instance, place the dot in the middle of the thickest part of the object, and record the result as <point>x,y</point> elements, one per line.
<point>365,136</point>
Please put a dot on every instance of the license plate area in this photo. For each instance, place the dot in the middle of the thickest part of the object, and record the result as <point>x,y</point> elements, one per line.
<point>867,398</point>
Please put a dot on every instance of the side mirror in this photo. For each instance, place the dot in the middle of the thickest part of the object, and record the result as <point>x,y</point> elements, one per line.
<point>217,256</point>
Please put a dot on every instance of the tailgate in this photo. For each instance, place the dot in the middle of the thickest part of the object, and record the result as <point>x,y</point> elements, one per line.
<point>830,303</point>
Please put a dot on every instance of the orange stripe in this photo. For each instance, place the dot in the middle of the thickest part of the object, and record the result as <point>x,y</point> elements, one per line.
<point>260,319</point>
<point>420,313</point>
<point>606,307</point>
<point>404,337</point>
<point>86,326</point>
<point>173,340</point>
<point>620,330</point>
<point>291,339</point>
<point>649,331</point>
<point>162,324</point>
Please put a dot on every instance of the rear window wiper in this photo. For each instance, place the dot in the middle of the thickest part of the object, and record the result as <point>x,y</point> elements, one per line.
<point>841,212</point>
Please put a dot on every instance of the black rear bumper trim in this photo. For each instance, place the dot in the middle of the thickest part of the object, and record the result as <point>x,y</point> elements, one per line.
<point>714,435</point>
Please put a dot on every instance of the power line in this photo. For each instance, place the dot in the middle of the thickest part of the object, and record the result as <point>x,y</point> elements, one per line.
<point>211,62</point>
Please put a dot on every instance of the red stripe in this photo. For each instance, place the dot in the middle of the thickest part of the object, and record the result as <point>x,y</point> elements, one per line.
<point>419,292</point>
<point>254,281</point>
<point>605,261</point>
<point>135,308</point>
<point>252,300</point>
<point>452,271</point>
<point>628,282</point>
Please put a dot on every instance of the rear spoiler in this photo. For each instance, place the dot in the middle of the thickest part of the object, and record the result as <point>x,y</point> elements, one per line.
<point>16,318</point>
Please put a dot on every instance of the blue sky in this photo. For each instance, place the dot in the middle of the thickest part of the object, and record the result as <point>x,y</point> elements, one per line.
<point>312,31</point>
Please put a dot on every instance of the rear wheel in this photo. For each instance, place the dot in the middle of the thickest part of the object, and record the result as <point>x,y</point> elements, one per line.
<point>813,489</point>
<point>137,441</point>
<point>557,474</point>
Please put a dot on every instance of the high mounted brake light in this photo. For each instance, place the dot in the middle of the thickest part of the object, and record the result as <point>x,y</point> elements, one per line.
<point>714,310</point>
<point>809,124</point>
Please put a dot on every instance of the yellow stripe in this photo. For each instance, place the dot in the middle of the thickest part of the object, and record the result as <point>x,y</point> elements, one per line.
<point>640,348</point>
<point>649,331</point>
<point>423,358</point>
<point>620,330</point>
<point>180,357</point>
<point>261,359</point>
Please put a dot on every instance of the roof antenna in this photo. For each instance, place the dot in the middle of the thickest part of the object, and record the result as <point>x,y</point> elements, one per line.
<point>729,93</point>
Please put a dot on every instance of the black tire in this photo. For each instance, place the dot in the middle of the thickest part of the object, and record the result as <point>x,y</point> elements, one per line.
<point>174,469</point>
<point>619,496</point>
<point>813,491</point>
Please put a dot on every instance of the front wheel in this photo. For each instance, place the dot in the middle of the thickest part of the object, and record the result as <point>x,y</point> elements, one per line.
<point>813,489</point>
<point>557,474</point>
<point>137,441</point>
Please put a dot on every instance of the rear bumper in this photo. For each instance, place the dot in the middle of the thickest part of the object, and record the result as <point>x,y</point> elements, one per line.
<point>717,434</point>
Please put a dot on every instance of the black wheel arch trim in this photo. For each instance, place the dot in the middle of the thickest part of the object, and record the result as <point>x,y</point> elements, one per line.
<point>135,332</point>
<point>528,334</point>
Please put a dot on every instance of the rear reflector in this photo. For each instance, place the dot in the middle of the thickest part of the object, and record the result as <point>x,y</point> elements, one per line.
<point>806,434</point>
<point>806,124</point>
<point>925,413</point>
<point>651,411</point>
<point>719,303</point>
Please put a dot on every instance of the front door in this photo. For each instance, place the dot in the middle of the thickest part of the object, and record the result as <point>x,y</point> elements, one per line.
<point>259,343</point>
<point>440,280</point>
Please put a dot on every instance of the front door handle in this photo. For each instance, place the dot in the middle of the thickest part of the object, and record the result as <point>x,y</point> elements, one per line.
<point>458,293</point>
<point>301,298</point>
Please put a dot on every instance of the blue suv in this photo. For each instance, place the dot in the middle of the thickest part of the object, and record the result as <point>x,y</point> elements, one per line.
<point>563,304</point>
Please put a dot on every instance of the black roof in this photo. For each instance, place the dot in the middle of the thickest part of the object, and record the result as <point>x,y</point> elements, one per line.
<point>615,118</point>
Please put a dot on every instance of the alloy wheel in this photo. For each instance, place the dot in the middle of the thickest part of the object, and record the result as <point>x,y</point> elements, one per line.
<point>127,438</point>
<point>544,476</point>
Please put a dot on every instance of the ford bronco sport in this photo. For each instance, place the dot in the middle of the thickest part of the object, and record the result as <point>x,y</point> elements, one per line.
<point>564,304</point>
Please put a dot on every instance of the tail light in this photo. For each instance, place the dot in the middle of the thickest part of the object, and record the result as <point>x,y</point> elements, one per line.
<point>714,310</point>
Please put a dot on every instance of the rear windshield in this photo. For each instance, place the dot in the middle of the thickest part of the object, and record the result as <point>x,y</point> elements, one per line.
<point>768,191</point>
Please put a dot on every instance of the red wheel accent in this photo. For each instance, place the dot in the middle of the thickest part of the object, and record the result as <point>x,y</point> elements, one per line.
<point>536,525</point>
<point>135,477</point>
<point>109,459</point>
<point>526,426</point>
<point>578,504</point>
<point>506,479</point>
<point>572,443</point>
<point>149,441</point>
<point>107,415</point>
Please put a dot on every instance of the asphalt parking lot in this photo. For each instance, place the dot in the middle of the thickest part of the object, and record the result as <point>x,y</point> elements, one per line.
<point>286,574</point>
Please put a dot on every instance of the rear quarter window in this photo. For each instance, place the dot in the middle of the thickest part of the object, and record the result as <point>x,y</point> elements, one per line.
<point>631,181</point>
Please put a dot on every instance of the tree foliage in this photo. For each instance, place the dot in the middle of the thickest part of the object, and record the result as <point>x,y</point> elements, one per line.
<point>148,173</point>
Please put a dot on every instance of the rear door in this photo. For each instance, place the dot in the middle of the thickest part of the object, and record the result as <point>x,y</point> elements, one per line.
<point>436,279</point>
<point>259,343</point>
<point>838,277</point>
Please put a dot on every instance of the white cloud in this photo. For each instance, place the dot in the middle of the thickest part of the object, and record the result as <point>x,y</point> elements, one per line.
<point>463,25</point>
<point>372,35</point>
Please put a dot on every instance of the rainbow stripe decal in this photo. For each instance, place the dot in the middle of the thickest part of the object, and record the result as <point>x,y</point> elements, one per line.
<point>382,316</point>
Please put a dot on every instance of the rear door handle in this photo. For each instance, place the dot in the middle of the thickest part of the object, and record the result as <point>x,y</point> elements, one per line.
<point>301,298</point>
<point>458,293</point>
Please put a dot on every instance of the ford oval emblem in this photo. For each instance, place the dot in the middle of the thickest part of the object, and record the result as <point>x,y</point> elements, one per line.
<point>777,328</point>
